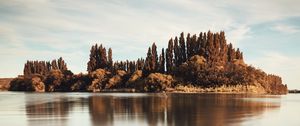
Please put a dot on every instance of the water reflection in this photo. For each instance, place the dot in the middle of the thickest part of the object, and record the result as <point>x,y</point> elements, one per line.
<point>150,109</point>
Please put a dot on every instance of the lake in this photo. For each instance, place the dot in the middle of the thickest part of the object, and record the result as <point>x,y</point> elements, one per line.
<point>139,109</point>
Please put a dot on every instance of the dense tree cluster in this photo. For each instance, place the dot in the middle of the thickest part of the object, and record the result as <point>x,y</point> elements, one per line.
<point>212,46</point>
<point>98,58</point>
<point>204,60</point>
<point>44,67</point>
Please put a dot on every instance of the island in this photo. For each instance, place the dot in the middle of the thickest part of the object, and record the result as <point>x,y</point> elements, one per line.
<point>203,63</point>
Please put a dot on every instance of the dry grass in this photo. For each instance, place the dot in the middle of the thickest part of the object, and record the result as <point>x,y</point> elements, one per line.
<point>221,89</point>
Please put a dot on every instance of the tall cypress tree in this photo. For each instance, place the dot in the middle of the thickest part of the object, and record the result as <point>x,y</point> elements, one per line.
<point>231,53</point>
<point>147,66</point>
<point>188,46</point>
<point>239,54</point>
<point>162,61</point>
<point>54,65</point>
<point>182,48</point>
<point>103,59</point>
<point>209,48</point>
<point>91,65</point>
<point>223,46</point>
<point>42,67</point>
<point>154,59</point>
<point>169,56</point>
<point>194,46</point>
<point>99,58</point>
<point>110,60</point>
<point>61,64</point>
<point>176,53</point>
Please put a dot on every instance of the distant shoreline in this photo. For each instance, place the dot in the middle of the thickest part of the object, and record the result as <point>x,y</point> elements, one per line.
<point>294,91</point>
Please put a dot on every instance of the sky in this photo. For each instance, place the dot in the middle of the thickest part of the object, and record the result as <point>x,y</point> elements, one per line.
<point>267,31</point>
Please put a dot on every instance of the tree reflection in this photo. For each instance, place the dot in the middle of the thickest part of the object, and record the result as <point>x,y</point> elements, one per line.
<point>152,109</point>
<point>176,109</point>
<point>50,109</point>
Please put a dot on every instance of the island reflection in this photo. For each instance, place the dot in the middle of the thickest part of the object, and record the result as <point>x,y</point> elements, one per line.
<point>150,109</point>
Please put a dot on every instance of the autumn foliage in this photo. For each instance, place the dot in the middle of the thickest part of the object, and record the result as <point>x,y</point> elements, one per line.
<point>203,60</point>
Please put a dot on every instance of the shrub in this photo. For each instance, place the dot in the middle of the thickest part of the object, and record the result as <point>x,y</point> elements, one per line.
<point>53,80</point>
<point>99,78</point>
<point>156,82</point>
<point>80,82</point>
<point>136,76</point>
<point>38,84</point>
<point>115,80</point>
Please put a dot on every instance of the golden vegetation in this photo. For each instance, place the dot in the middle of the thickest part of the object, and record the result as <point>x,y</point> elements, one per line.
<point>206,62</point>
<point>156,82</point>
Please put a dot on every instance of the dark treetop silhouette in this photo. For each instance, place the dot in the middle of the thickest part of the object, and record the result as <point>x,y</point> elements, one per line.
<point>203,63</point>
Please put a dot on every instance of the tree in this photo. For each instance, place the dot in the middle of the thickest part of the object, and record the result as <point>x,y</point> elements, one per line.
<point>147,66</point>
<point>98,59</point>
<point>140,64</point>
<point>169,57</point>
<point>224,49</point>
<point>203,41</point>
<point>154,59</point>
<point>188,46</point>
<point>43,67</point>
<point>239,55</point>
<point>205,60</point>
<point>216,51</point>
<point>103,59</point>
<point>194,46</point>
<point>61,64</point>
<point>176,53</point>
<point>110,60</point>
<point>91,65</point>
<point>182,56</point>
<point>162,61</point>
<point>231,53</point>
<point>54,65</point>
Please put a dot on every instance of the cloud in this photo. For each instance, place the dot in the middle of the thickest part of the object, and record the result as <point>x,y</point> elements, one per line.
<point>237,34</point>
<point>262,11</point>
<point>9,37</point>
<point>285,28</point>
<point>46,29</point>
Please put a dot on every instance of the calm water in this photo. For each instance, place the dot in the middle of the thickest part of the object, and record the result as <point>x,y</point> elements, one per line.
<point>93,109</point>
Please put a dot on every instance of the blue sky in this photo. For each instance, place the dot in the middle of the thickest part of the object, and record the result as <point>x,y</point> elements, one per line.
<point>268,32</point>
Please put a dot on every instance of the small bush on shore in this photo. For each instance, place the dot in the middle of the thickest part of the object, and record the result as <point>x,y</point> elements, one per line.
<point>156,82</point>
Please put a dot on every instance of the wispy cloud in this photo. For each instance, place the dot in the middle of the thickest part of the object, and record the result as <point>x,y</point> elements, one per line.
<point>239,33</point>
<point>285,28</point>
<point>46,29</point>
